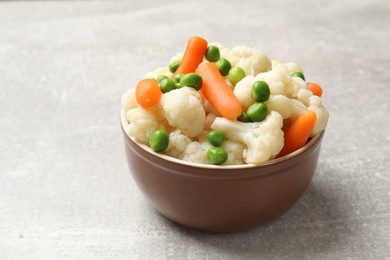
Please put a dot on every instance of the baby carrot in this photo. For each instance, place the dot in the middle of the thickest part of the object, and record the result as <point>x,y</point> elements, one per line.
<point>217,92</point>
<point>314,88</point>
<point>298,133</point>
<point>147,93</point>
<point>193,55</point>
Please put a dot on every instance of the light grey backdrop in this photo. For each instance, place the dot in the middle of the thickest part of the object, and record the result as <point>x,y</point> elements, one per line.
<point>65,190</point>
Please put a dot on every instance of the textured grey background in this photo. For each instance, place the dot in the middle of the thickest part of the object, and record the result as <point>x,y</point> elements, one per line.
<point>65,190</point>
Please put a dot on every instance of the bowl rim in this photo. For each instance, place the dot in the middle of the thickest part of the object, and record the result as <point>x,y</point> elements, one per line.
<point>277,161</point>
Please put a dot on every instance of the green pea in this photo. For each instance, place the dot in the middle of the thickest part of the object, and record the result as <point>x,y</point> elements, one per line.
<point>216,137</point>
<point>298,74</point>
<point>192,80</point>
<point>160,78</point>
<point>257,112</point>
<point>167,85</point>
<point>224,66</point>
<point>260,91</point>
<point>235,75</point>
<point>244,118</point>
<point>177,78</point>
<point>174,65</point>
<point>212,53</point>
<point>159,141</point>
<point>217,156</point>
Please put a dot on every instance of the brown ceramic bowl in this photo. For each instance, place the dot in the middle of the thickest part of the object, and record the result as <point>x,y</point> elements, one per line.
<point>221,198</point>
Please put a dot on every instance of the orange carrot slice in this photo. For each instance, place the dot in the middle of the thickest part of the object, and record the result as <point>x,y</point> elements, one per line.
<point>314,88</point>
<point>298,133</point>
<point>147,93</point>
<point>217,91</point>
<point>193,55</point>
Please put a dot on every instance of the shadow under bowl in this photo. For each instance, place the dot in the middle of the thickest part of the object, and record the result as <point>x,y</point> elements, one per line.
<point>221,198</point>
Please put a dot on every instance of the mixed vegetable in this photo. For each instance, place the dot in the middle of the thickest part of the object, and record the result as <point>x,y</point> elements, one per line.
<point>224,106</point>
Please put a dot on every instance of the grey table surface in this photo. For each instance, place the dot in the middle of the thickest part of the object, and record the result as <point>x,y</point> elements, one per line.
<point>65,189</point>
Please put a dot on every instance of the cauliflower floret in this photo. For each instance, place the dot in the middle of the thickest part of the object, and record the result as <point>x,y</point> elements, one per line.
<point>291,67</point>
<point>314,103</point>
<point>158,72</point>
<point>235,152</point>
<point>287,108</point>
<point>252,61</point>
<point>143,122</point>
<point>303,95</point>
<point>278,80</point>
<point>197,152</point>
<point>263,140</point>
<point>277,88</point>
<point>243,92</point>
<point>293,84</point>
<point>128,100</point>
<point>184,110</point>
<point>296,86</point>
<point>178,143</point>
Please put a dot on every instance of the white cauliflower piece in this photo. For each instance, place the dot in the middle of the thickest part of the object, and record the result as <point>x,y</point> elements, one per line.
<point>128,100</point>
<point>293,84</point>
<point>158,72</point>
<point>276,88</point>
<point>278,80</point>
<point>314,103</point>
<point>303,95</point>
<point>291,67</point>
<point>243,91</point>
<point>184,110</point>
<point>143,122</point>
<point>197,152</point>
<point>252,61</point>
<point>178,143</point>
<point>263,140</point>
<point>296,86</point>
<point>235,152</point>
<point>287,108</point>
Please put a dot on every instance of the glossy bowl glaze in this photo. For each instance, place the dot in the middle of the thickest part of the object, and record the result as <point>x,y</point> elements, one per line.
<point>221,198</point>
